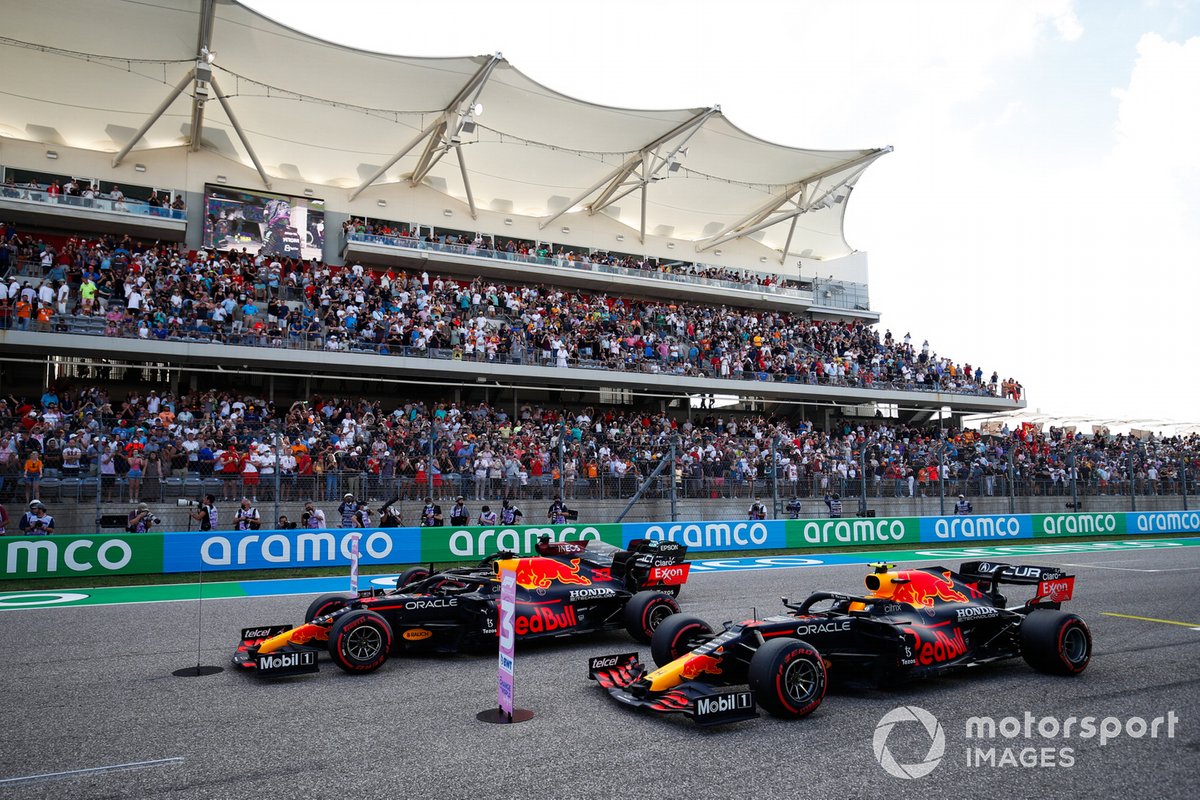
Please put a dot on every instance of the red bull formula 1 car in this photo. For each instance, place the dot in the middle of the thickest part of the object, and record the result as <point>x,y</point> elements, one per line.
<point>913,623</point>
<point>567,588</point>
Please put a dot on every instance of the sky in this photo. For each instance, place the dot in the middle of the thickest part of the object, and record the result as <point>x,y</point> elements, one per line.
<point>1040,215</point>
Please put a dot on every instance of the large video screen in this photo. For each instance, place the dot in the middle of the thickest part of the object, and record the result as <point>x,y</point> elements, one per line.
<point>273,224</point>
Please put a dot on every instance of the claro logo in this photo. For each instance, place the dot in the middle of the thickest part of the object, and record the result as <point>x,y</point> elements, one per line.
<point>81,555</point>
<point>316,547</point>
<point>845,531</point>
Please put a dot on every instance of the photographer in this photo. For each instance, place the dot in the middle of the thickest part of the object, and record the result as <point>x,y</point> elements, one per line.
<point>207,513</point>
<point>312,517</point>
<point>285,524</point>
<point>431,514</point>
<point>558,513</point>
<point>794,508</point>
<point>459,515</point>
<point>389,516</point>
<point>141,520</point>
<point>246,517</point>
<point>36,520</point>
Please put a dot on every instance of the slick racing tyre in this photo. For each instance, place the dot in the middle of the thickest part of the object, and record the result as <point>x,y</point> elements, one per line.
<point>1055,642</point>
<point>645,611</point>
<point>327,604</point>
<point>411,575</point>
<point>675,636</point>
<point>788,678</point>
<point>360,641</point>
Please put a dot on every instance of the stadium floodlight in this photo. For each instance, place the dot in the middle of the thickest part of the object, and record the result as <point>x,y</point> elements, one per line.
<point>566,230</point>
<point>221,179</point>
<point>447,213</point>
<point>477,110</point>
<point>508,220</point>
<point>51,154</point>
<point>381,203</point>
<point>620,237</point>
<point>208,56</point>
<point>139,167</point>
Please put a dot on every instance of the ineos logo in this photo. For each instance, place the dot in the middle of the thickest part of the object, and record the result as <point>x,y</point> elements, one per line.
<point>932,728</point>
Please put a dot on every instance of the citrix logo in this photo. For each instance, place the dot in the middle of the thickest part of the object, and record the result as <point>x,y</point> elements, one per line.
<point>932,729</point>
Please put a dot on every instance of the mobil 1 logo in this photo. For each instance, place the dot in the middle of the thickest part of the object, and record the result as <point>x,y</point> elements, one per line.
<point>715,709</point>
<point>278,665</point>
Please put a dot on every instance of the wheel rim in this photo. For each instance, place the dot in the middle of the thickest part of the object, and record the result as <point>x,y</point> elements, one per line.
<point>1074,647</point>
<point>363,643</point>
<point>658,614</point>
<point>801,679</point>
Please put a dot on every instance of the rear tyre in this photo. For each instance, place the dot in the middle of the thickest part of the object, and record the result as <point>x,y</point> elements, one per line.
<point>788,678</point>
<point>411,575</point>
<point>645,611</point>
<point>675,636</point>
<point>1056,642</point>
<point>327,604</point>
<point>360,641</point>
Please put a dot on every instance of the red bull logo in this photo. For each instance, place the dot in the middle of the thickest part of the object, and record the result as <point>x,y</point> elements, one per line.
<point>540,573</point>
<point>545,619</point>
<point>698,665</point>
<point>936,646</point>
<point>916,587</point>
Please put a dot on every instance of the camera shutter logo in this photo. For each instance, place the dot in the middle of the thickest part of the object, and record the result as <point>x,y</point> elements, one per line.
<point>932,728</point>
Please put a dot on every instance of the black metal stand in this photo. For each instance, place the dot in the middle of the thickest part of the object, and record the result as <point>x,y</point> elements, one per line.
<point>497,716</point>
<point>199,671</point>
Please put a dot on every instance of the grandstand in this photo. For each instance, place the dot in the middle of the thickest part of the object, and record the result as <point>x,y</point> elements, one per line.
<point>445,239</point>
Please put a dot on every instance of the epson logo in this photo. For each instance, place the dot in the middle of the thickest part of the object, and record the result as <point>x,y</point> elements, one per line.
<point>591,594</point>
<point>975,612</point>
<point>422,605</point>
<point>273,661</point>
<point>724,703</point>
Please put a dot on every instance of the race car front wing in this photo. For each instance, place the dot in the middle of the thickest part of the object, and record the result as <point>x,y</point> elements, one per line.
<point>622,676</point>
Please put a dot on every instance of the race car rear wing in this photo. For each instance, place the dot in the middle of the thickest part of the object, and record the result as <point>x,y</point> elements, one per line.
<point>1018,574</point>
<point>1054,585</point>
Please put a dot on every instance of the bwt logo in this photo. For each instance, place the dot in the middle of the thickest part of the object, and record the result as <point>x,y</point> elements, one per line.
<point>929,728</point>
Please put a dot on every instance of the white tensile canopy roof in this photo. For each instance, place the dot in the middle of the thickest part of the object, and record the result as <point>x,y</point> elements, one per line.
<point>91,74</point>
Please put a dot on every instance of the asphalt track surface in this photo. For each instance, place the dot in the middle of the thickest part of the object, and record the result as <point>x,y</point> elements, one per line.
<point>91,687</point>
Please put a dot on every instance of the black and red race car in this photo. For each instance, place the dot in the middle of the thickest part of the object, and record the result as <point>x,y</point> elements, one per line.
<point>913,623</point>
<point>567,588</point>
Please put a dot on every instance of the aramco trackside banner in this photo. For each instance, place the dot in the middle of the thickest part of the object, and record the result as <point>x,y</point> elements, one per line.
<point>25,557</point>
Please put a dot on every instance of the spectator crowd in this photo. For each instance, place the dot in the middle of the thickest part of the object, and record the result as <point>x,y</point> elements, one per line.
<point>164,292</point>
<point>326,448</point>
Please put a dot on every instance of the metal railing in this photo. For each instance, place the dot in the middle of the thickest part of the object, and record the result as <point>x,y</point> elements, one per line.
<point>840,294</point>
<point>628,361</point>
<point>136,208</point>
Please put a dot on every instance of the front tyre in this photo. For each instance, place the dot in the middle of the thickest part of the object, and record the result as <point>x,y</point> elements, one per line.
<point>645,611</point>
<point>675,636</point>
<point>327,604</point>
<point>360,641</point>
<point>788,678</point>
<point>1056,642</point>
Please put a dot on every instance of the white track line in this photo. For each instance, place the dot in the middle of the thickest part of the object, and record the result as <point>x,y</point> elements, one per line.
<point>56,776</point>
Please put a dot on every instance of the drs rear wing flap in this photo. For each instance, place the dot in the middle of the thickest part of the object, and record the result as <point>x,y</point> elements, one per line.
<point>1053,584</point>
<point>1017,574</point>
